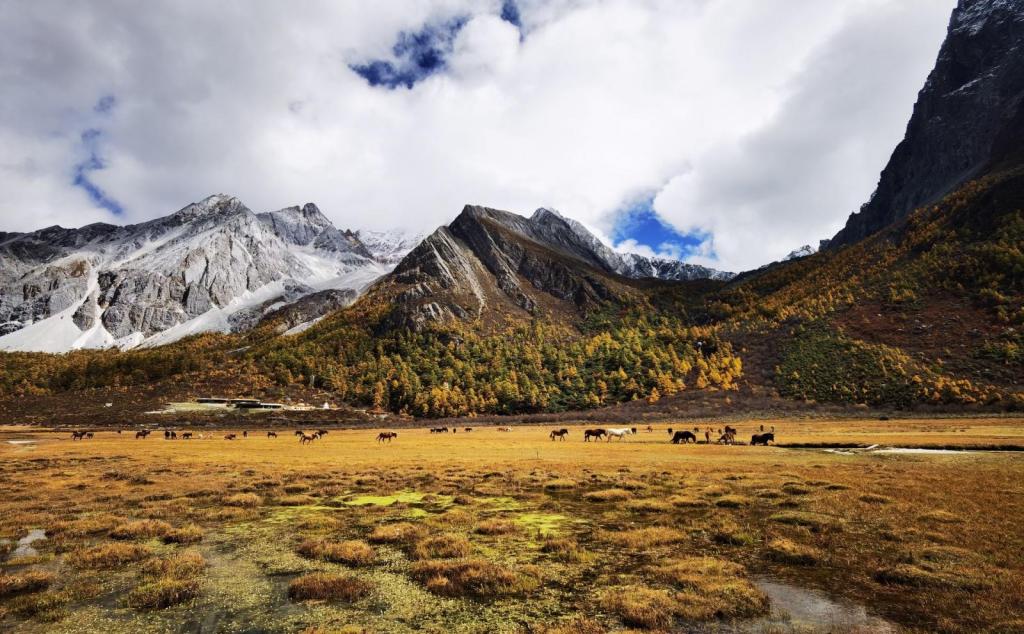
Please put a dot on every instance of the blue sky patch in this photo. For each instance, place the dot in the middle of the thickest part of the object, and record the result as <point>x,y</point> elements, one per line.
<point>640,222</point>
<point>90,141</point>
<point>417,55</point>
<point>510,14</point>
<point>105,104</point>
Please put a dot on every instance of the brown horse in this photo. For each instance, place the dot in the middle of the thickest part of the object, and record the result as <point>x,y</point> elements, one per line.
<point>386,435</point>
<point>559,434</point>
<point>304,439</point>
<point>271,434</point>
<point>683,437</point>
<point>77,435</point>
<point>593,433</point>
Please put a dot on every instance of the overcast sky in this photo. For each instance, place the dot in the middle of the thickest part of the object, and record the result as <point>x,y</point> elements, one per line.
<point>725,132</point>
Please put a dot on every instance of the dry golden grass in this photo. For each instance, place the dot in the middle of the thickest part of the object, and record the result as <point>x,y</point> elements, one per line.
<point>931,542</point>
<point>28,581</point>
<point>495,527</point>
<point>182,565</point>
<point>564,549</point>
<point>141,529</point>
<point>444,546</point>
<point>789,552</point>
<point>608,495</point>
<point>188,534</point>
<point>648,505</point>
<point>649,608</point>
<point>326,586</point>
<point>350,552</point>
<point>641,538</point>
<point>243,500</point>
<point>162,593</point>
<point>817,522</point>
<point>108,556</point>
<point>471,578</point>
<point>711,588</point>
<point>397,533</point>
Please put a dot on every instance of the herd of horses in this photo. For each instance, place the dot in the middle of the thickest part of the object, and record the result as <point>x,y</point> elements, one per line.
<point>725,436</point>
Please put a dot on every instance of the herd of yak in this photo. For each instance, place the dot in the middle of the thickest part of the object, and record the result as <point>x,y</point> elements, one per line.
<point>725,436</point>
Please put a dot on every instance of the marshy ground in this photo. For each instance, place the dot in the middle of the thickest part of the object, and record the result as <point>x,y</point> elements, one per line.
<point>510,532</point>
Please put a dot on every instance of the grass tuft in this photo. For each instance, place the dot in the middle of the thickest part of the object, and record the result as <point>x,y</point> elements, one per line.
<point>471,578</point>
<point>108,556</point>
<point>608,495</point>
<point>495,527</point>
<point>397,533</point>
<point>141,529</point>
<point>243,500</point>
<point>444,546</point>
<point>350,552</point>
<point>28,581</point>
<point>324,586</point>
<point>163,593</point>
<point>789,552</point>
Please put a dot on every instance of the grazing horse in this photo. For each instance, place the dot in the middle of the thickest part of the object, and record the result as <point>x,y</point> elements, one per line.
<point>271,434</point>
<point>726,439</point>
<point>386,435</point>
<point>593,433</point>
<point>669,431</point>
<point>230,436</point>
<point>707,436</point>
<point>467,429</point>
<point>186,435</point>
<point>619,432</point>
<point>649,429</point>
<point>245,433</point>
<point>299,432</point>
<point>504,429</point>
<point>560,434</point>
<point>320,433</point>
<point>88,434</point>
<point>141,434</point>
<point>762,439</point>
<point>304,439</point>
<point>730,430</point>
<point>77,435</point>
<point>683,437</point>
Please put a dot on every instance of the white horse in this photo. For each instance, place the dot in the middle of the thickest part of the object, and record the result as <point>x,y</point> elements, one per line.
<point>619,433</point>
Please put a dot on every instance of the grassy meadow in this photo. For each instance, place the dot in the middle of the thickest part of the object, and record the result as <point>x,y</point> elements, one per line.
<point>494,531</point>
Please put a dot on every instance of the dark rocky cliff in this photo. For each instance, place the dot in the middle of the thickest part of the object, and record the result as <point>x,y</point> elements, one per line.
<point>966,119</point>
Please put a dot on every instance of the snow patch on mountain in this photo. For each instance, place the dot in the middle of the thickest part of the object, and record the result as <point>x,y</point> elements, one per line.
<point>211,266</point>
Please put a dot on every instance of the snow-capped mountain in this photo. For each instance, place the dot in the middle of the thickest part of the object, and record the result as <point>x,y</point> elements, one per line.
<point>630,265</point>
<point>213,265</point>
<point>390,246</point>
<point>802,252</point>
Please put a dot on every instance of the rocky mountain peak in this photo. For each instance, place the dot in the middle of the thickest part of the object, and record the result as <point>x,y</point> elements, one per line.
<point>971,101</point>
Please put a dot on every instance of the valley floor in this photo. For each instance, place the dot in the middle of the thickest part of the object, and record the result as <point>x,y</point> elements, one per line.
<point>492,531</point>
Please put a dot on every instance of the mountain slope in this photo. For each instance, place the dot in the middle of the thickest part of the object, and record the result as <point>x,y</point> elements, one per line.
<point>192,271</point>
<point>970,105</point>
<point>493,267</point>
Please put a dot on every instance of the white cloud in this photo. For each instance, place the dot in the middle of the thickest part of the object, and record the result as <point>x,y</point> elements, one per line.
<point>602,101</point>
